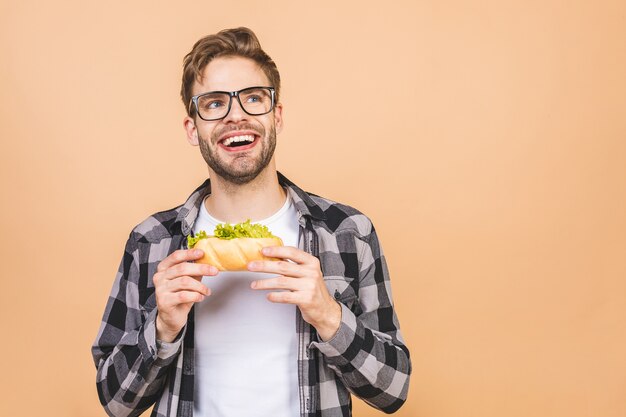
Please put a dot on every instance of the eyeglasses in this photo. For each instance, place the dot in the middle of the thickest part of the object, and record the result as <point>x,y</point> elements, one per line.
<point>215,105</point>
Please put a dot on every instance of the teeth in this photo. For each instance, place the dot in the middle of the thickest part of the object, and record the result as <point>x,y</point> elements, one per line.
<point>243,138</point>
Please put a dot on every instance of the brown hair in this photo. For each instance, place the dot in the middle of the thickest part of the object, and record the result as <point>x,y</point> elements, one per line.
<point>228,42</point>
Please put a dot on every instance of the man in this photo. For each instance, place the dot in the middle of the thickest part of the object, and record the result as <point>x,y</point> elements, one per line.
<point>286,338</point>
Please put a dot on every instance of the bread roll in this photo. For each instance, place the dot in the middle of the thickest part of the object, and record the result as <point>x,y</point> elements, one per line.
<point>234,254</point>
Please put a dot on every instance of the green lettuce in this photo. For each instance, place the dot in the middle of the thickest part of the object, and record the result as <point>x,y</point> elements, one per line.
<point>192,240</point>
<point>230,231</point>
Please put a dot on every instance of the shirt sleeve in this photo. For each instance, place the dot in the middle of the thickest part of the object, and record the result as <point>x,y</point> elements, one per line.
<point>368,352</point>
<point>131,365</point>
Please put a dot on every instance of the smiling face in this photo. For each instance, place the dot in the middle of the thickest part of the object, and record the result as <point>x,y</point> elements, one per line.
<point>239,147</point>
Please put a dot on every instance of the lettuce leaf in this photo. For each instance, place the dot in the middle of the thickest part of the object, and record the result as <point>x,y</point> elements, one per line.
<point>230,231</point>
<point>192,240</point>
<point>245,229</point>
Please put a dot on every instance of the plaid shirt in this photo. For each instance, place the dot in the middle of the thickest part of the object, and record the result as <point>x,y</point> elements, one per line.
<point>366,357</point>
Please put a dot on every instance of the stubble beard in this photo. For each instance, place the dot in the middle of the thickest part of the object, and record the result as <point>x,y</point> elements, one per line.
<point>242,169</point>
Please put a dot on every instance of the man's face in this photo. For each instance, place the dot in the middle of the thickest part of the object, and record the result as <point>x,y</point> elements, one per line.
<point>235,164</point>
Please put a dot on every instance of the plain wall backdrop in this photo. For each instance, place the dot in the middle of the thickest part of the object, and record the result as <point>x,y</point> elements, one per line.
<point>485,139</point>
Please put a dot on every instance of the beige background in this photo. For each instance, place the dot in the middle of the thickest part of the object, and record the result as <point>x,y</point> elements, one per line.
<point>485,139</point>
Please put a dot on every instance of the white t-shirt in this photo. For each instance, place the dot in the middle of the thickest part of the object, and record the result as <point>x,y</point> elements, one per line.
<point>246,346</point>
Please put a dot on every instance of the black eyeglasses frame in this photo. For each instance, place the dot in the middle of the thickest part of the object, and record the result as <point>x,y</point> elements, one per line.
<point>231,94</point>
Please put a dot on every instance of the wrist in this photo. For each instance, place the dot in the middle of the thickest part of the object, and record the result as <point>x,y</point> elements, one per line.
<point>164,334</point>
<point>331,322</point>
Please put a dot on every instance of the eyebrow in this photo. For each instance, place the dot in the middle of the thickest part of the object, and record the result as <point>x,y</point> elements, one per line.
<point>260,87</point>
<point>214,92</point>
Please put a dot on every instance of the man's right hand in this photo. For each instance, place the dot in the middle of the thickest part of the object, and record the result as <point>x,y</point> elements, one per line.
<point>178,285</point>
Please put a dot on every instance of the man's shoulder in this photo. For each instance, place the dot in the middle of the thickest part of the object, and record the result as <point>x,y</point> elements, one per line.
<point>158,226</point>
<point>339,217</point>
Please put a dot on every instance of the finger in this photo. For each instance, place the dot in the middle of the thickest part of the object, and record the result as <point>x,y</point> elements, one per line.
<point>171,300</point>
<point>285,297</point>
<point>187,283</point>
<point>188,268</point>
<point>289,252</point>
<point>184,297</point>
<point>278,283</point>
<point>277,267</point>
<point>181,255</point>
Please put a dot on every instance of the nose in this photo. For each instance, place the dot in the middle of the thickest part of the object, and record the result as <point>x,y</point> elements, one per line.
<point>236,113</point>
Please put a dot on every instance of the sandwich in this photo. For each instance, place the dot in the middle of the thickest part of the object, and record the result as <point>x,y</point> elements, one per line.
<point>231,247</point>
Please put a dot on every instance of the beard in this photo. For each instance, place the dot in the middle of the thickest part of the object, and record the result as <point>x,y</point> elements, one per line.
<point>243,168</point>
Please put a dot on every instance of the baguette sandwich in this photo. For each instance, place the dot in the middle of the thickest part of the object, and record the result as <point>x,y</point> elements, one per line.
<point>232,246</point>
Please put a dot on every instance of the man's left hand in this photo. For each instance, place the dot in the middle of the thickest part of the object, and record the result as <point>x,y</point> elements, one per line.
<point>302,283</point>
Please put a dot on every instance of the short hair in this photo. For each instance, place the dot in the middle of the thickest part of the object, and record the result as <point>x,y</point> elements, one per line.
<point>241,42</point>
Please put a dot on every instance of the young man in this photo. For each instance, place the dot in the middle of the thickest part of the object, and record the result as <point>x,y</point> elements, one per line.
<point>287,338</point>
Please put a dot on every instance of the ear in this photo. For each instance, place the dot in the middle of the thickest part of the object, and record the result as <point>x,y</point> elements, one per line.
<point>278,117</point>
<point>191,130</point>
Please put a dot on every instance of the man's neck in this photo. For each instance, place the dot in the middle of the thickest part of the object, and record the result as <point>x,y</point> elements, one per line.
<point>256,200</point>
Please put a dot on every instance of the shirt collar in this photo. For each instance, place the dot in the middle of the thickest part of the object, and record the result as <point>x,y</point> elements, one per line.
<point>303,202</point>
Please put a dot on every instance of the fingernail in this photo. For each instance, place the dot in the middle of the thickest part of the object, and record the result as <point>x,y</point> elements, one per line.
<point>252,265</point>
<point>197,252</point>
<point>253,284</point>
<point>265,251</point>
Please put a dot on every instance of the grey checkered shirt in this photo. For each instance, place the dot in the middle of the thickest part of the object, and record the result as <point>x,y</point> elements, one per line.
<point>367,356</point>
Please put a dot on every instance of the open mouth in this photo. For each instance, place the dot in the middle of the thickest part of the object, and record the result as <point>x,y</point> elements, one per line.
<point>239,143</point>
